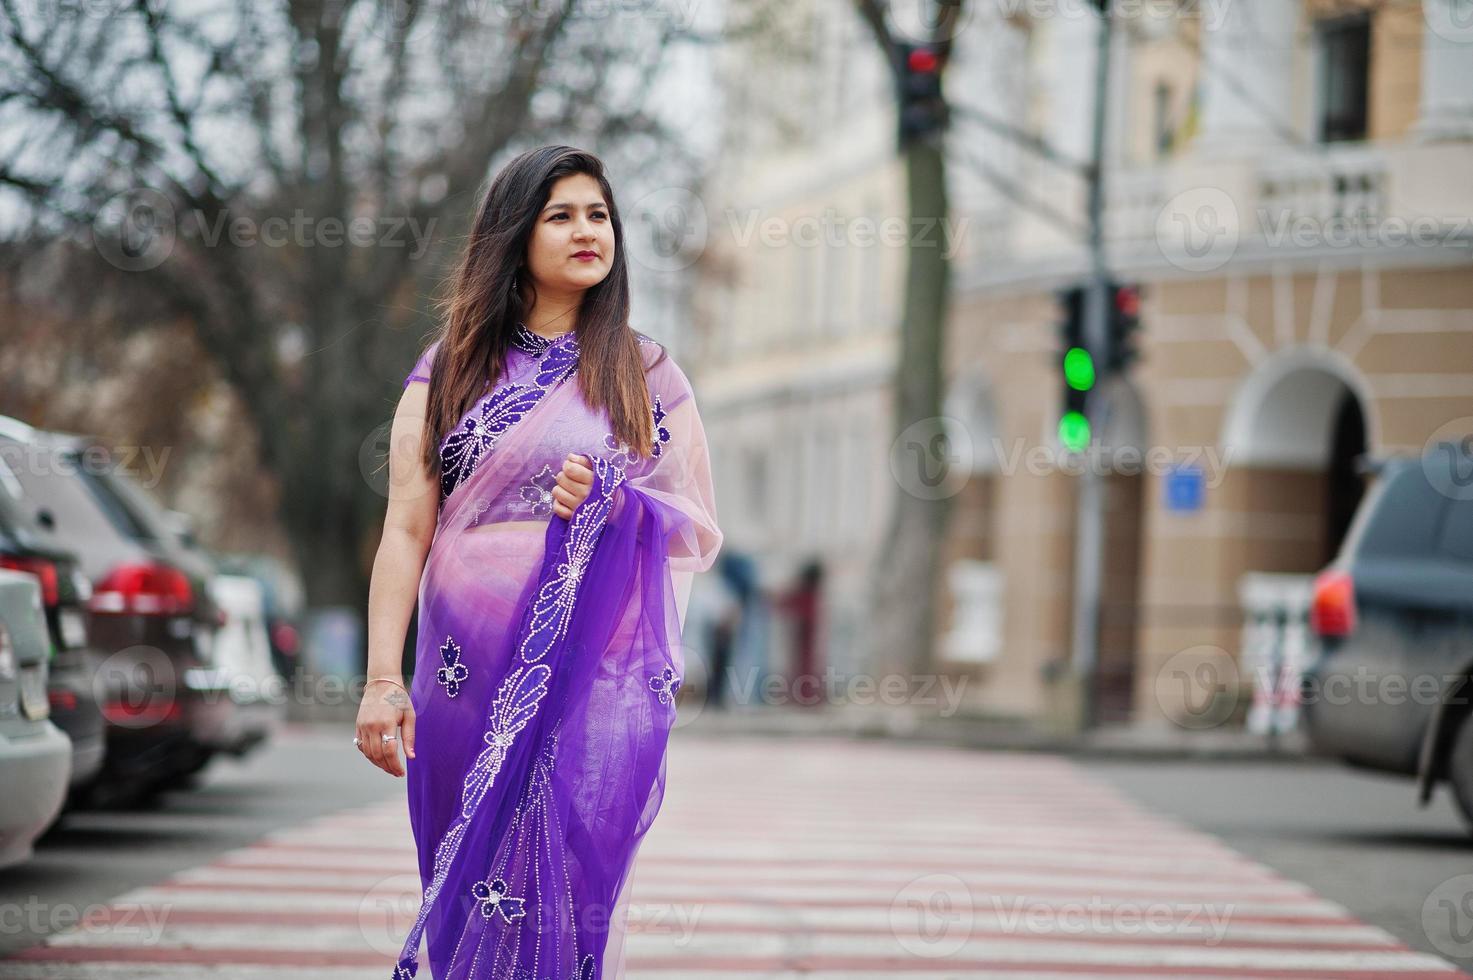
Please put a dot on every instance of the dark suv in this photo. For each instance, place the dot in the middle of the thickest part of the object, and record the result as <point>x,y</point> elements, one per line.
<point>1390,687</point>
<point>150,614</point>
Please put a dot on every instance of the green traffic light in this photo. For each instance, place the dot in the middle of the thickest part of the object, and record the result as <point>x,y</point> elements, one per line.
<point>1074,431</point>
<point>1079,369</point>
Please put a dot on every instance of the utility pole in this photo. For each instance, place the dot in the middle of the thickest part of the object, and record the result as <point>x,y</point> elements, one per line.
<point>1090,515</point>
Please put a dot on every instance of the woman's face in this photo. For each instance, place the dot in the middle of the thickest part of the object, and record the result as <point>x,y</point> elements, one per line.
<point>574,222</point>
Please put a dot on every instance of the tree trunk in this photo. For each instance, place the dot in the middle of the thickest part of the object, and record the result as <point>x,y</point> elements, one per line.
<point>905,576</point>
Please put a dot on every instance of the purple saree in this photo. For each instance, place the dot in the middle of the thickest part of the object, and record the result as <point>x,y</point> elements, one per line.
<point>548,656</point>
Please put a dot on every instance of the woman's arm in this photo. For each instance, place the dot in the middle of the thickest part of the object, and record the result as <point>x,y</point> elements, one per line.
<point>409,527</point>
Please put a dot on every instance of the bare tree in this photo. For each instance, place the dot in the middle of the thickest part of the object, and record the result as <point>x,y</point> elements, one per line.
<point>218,157</point>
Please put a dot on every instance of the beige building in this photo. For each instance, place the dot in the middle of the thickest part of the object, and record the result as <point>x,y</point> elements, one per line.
<point>1292,184</point>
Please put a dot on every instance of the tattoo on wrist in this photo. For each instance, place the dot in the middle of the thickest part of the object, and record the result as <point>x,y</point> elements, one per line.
<point>397,698</point>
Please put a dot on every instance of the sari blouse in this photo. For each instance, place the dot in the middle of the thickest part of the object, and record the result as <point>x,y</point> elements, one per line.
<point>678,472</point>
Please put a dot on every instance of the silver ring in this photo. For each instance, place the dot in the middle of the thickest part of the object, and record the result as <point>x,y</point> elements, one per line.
<point>390,738</point>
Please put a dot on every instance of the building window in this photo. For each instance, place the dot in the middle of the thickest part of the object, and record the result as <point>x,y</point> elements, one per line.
<point>1163,131</point>
<point>1343,47</point>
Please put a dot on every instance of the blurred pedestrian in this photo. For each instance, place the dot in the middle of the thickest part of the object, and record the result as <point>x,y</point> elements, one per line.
<point>711,621</point>
<point>803,604</point>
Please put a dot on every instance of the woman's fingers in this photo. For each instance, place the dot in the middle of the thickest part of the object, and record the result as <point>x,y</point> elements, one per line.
<point>393,765</point>
<point>386,716</point>
<point>576,468</point>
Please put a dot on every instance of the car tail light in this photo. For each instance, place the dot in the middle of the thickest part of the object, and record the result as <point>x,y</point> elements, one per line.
<point>151,711</point>
<point>62,700</point>
<point>42,569</point>
<point>1332,610</point>
<point>148,588</point>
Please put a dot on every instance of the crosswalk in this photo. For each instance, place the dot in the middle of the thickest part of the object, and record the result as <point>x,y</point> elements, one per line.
<point>775,859</point>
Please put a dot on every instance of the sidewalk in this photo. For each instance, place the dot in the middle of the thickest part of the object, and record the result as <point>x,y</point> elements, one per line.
<point>964,730</point>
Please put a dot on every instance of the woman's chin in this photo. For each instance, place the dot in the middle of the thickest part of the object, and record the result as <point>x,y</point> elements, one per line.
<point>584,278</point>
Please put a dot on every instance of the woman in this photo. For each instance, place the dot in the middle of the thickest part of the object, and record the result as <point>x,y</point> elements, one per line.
<point>550,498</point>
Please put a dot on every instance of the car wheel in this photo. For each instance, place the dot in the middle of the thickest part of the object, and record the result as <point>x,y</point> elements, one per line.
<point>1460,769</point>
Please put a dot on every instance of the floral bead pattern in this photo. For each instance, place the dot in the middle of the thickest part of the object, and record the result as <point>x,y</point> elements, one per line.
<point>493,898</point>
<point>622,455</point>
<point>661,434</point>
<point>454,673</point>
<point>528,342</point>
<point>537,493</point>
<point>665,685</point>
<point>469,442</point>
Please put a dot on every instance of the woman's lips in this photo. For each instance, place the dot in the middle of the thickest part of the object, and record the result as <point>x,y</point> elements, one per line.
<point>585,256</point>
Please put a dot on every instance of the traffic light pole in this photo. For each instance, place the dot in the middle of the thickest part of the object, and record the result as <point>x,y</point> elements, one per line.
<point>1090,514</point>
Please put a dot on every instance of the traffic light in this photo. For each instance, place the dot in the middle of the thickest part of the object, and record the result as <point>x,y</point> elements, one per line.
<point>1077,368</point>
<point>1125,320</point>
<point>922,108</point>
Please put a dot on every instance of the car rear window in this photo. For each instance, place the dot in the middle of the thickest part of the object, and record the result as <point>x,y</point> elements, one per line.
<point>50,481</point>
<point>1456,538</point>
<point>125,516</point>
<point>1401,517</point>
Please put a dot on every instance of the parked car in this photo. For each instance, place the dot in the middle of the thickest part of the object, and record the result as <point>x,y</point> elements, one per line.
<point>35,755</point>
<point>1391,686</point>
<point>283,596</point>
<point>65,592</point>
<point>150,614</point>
<point>243,653</point>
<point>242,671</point>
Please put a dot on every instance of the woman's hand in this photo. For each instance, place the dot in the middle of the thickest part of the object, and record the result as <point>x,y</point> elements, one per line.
<point>574,484</point>
<point>385,710</point>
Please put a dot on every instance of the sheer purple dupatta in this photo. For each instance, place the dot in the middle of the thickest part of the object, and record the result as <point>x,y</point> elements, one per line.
<point>556,754</point>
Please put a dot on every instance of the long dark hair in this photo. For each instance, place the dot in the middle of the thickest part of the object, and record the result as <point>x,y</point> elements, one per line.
<point>483,307</point>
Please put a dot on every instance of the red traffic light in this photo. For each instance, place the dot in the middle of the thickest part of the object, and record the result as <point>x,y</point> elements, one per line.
<point>922,60</point>
<point>1128,300</point>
